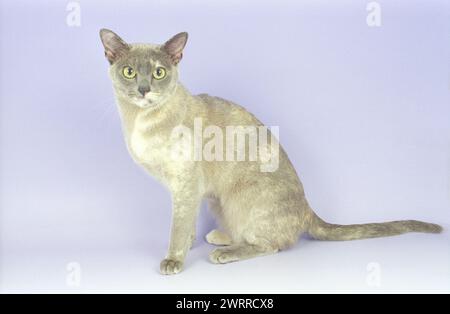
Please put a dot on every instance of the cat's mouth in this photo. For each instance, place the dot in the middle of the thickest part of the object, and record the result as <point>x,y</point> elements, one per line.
<point>147,101</point>
<point>143,102</point>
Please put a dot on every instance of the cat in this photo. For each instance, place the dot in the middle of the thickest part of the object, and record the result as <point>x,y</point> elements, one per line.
<point>259,212</point>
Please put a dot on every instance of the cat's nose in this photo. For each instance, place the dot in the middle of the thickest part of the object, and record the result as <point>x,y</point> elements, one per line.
<point>144,89</point>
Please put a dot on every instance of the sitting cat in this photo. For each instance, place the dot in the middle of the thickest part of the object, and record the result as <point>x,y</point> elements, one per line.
<point>259,212</point>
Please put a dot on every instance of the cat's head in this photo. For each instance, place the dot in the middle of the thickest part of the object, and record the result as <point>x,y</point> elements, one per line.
<point>144,74</point>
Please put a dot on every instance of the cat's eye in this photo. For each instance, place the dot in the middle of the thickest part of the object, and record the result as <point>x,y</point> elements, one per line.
<point>128,72</point>
<point>159,73</point>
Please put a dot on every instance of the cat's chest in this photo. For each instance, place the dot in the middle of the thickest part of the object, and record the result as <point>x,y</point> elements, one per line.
<point>162,151</point>
<point>148,148</point>
<point>145,148</point>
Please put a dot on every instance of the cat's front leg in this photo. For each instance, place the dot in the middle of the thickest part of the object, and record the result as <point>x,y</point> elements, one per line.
<point>184,216</point>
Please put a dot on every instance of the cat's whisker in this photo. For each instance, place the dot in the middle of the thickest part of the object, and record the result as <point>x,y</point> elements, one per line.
<point>106,114</point>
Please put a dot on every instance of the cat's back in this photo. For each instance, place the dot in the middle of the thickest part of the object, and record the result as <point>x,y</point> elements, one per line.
<point>223,110</point>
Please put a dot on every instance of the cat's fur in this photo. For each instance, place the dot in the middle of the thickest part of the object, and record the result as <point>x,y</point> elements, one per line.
<point>259,212</point>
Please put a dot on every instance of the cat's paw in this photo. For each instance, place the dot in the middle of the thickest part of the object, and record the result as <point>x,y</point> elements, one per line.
<point>170,266</point>
<point>217,237</point>
<point>222,256</point>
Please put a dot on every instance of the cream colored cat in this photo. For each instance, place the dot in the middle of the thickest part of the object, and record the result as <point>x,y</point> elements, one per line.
<point>259,212</point>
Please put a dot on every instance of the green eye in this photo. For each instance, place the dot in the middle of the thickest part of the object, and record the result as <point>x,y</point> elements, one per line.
<point>128,72</point>
<point>159,73</point>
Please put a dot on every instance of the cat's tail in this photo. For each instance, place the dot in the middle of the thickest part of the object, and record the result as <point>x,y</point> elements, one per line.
<point>322,230</point>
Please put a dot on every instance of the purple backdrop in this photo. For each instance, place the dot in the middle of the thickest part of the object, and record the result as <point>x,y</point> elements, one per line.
<point>364,114</point>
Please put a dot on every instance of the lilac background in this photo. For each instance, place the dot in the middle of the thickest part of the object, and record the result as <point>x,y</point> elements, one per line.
<point>364,114</point>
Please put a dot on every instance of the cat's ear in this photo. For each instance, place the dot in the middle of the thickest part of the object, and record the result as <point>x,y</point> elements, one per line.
<point>175,45</point>
<point>115,47</point>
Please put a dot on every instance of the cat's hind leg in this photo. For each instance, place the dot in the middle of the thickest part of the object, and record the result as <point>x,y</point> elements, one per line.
<point>217,237</point>
<point>237,252</point>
